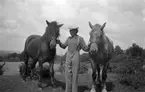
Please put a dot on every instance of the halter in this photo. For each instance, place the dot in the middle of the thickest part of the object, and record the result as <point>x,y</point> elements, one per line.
<point>53,38</point>
<point>94,42</point>
<point>97,42</point>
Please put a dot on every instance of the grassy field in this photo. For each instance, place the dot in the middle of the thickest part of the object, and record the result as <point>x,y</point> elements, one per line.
<point>11,82</point>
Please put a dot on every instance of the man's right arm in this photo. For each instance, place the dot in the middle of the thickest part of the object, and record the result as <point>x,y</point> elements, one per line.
<point>63,45</point>
<point>83,45</point>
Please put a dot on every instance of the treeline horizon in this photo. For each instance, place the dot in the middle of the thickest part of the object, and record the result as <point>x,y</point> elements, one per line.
<point>134,50</point>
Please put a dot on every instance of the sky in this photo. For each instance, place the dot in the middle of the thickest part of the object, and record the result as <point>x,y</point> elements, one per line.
<point>20,18</point>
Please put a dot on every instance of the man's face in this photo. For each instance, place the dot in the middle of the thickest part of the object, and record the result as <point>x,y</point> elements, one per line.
<point>73,32</point>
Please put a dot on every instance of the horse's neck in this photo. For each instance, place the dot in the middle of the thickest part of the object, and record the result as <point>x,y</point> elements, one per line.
<point>46,37</point>
<point>102,44</point>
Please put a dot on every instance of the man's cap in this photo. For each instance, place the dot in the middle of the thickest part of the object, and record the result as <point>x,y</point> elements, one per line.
<point>73,27</point>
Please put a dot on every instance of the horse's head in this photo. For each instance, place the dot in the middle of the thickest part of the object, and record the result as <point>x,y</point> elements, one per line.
<point>95,36</point>
<point>52,31</point>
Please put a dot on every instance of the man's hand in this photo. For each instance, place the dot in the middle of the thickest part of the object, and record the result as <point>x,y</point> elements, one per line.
<point>89,44</point>
<point>58,41</point>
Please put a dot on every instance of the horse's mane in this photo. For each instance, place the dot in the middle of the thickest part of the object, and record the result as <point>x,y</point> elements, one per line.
<point>50,31</point>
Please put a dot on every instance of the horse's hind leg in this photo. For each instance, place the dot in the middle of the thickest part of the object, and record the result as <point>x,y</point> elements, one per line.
<point>33,66</point>
<point>93,65</point>
<point>26,59</point>
<point>34,63</point>
<point>52,72</point>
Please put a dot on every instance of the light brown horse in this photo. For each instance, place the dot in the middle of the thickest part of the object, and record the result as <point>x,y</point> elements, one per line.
<point>42,48</point>
<point>101,51</point>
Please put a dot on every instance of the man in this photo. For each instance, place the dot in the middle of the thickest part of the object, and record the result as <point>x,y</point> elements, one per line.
<point>74,43</point>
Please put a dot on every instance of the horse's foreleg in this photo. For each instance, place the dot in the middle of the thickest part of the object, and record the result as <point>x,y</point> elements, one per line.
<point>93,65</point>
<point>98,70</point>
<point>104,77</point>
<point>41,69</point>
<point>26,59</point>
<point>52,72</point>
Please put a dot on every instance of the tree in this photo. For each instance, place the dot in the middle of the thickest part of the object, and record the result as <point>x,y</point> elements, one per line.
<point>135,50</point>
<point>1,58</point>
<point>13,55</point>
<point>118,50</point>
<point>84,57</point>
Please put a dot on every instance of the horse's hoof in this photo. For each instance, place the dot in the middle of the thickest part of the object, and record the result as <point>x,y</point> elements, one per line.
<point>39,84</point>
<point>104,90</point>
<point>98,82</point>
<point>40,89</point>
<point>53,85</point>
<point>93,90</point>
<point>23,81</point>
<point>24,78</point>
<point>54,90</point>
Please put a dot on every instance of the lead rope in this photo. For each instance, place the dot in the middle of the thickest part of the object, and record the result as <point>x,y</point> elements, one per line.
<point>78,44</point>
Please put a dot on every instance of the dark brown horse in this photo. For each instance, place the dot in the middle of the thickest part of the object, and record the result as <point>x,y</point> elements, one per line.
<point>42,48</point>
<point>101,51</point>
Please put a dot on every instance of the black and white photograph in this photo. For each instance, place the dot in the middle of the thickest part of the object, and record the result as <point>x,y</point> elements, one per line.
<point>72,45</point>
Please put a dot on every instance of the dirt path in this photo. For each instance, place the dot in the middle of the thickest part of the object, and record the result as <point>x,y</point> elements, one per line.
<point>13,83</point>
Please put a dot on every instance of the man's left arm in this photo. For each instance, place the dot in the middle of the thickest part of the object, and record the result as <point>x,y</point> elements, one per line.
<point>84,47</point>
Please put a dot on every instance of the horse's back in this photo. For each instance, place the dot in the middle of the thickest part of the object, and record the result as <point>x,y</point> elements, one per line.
<point>32,44</point>
<point>30,38</point>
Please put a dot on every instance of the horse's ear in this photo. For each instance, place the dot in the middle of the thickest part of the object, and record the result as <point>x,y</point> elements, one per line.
<point>47,22</point>
<point>103,26</point>
<point>91,26</point>
<point>60,25</point>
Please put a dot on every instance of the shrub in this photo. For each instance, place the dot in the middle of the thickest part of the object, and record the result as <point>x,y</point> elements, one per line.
<point>83,68</point>
<point>131,73</point>
<point>2,69</point>
<point>135,51</point>
<point>119,58</point>
<point>135,80</point>
<point>118,50</point>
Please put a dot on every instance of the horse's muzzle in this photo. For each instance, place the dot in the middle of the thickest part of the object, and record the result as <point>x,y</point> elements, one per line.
<point>93,48</point>
<point>53,43</point>
<point>92,52</point>
<point>52,46</point>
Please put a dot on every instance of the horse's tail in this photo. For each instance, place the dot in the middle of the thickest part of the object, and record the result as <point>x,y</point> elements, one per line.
<point>24,52</point>
<point>26,43</point>
<point>2,65</point>
<point>21,57</point>
<point>113,49</point>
